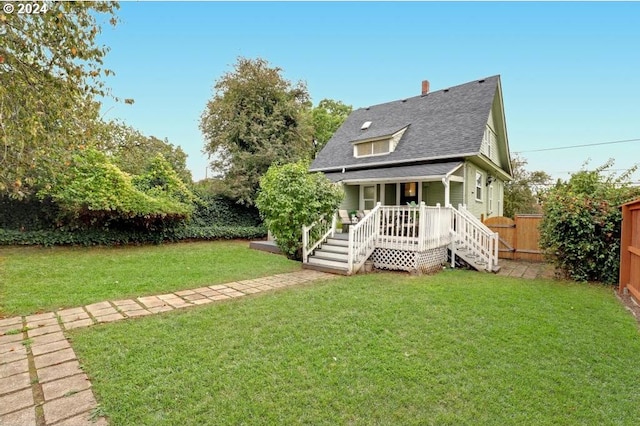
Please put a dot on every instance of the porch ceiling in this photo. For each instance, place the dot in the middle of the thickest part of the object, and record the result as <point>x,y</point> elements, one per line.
<point>421,172</point>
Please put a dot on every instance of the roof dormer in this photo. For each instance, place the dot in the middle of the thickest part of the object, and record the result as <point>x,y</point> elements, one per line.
<point>378,141</point>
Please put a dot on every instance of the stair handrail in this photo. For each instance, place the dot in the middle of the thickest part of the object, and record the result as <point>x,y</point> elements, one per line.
<point>362,239</point>
<point>306,235</point>
<point>476,235</point>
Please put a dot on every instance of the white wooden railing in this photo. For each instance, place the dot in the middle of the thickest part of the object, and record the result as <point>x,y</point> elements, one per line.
<point>414,228</point>
<point>471,233</point>
<point>316,233</point>
<point>362,239</point>
<point>408,228</point>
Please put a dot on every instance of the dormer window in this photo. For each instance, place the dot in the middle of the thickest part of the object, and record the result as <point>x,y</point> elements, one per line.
<point>380,142</point>
<point>367,149</point>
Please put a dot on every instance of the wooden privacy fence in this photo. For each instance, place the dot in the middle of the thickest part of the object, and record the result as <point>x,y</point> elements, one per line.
<point>519,237</point>
<point>630,249</point>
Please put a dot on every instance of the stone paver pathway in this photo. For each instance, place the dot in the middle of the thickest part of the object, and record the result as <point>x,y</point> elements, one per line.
<point>531,270</point>
<point>41,380</point>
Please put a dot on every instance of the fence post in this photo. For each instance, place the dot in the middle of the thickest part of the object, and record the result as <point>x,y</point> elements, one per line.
<point>625,254</point>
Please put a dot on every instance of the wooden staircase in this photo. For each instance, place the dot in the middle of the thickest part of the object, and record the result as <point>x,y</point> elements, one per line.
<point>466,258</point>
<point>331,256</point>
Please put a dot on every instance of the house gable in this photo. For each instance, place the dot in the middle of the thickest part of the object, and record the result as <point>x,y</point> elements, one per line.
<point>495,145</point>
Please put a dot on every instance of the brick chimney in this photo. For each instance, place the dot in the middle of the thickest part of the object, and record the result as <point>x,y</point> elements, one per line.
<point>425,87</point>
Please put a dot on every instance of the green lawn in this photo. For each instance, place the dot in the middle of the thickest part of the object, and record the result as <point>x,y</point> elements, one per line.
<point>455,348</point>
<point>34,279</point>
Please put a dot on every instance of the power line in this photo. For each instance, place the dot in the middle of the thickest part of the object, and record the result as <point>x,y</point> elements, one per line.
<point>577,146</point>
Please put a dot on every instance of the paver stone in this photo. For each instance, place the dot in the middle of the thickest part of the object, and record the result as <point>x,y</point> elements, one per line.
<point>25,417</point>
<point>54,358</point>
<point>16,401</point>
<point>14,383</point>
<point>65,386</point>
<point>68,406</point>
<point>54,372</point>
<point>16,367</point>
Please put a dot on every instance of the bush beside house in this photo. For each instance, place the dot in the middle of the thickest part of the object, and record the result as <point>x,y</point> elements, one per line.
<point>291,197</point>
<point>580,231</point>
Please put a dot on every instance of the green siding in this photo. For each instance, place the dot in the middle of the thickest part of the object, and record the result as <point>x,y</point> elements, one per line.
<point>433,193</point>
<point>476,207</point>
<point>456,194</point>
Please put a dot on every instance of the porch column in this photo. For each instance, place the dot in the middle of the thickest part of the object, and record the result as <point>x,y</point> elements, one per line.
<point>447,193</point>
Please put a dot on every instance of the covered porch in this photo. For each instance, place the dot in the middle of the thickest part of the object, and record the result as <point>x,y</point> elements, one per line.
<point>432,184</point>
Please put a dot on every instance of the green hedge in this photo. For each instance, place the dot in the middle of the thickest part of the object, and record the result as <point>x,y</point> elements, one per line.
<point>217,209</point>
<point>29,214</point>
<point>111,237</point>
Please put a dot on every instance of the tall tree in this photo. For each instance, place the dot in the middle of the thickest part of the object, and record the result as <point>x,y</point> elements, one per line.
<point>50,71</point>
<point>327,117</point>
<point>523,193</point>
<point>255,118</point>
<point>133,152</point>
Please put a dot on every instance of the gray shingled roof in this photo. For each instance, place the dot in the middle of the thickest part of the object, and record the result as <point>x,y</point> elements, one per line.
<point>423,171</point>
<point>448,123</point>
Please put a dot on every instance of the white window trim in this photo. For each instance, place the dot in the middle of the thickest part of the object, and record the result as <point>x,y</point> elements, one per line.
<point>481,175</point>
<point>355,148</point>
<point>362,199</point>
<point>490,199</point>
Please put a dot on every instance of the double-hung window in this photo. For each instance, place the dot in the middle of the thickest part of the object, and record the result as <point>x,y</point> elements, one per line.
<point>479,180</point>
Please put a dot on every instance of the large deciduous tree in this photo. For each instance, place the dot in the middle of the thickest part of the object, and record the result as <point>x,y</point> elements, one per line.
<point>255,118</point>
<point>50,71</point>
<point>327,117</point>
<point>523,193</point>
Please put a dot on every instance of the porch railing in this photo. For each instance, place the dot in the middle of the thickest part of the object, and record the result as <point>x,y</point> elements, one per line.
<point>316,233</point>
<point>362,239</point>
<point>414,228</point>
<point>471,233</point>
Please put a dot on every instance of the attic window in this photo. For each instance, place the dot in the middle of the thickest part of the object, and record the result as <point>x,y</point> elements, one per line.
<point>365,125</point>
<point>372,148</point>
<point>382,144</point>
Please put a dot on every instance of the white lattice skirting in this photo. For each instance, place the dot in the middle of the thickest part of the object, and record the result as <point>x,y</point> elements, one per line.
<point>425,262</point>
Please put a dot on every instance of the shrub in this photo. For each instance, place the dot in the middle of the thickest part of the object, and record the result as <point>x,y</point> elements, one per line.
<point>291,197</point>
<point>107,237</point>
<point>94,192</point>
<point>216,210</point>
<point>580,231</point>
<point>29,213</point>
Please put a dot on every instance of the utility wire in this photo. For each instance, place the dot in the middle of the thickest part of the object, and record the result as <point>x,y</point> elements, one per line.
<point>577,146</point>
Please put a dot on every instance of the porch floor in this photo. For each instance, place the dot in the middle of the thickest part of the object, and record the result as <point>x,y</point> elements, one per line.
<point>265,245</point>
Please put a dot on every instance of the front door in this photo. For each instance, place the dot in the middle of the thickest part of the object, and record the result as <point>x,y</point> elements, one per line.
<point>408,193</point>
<point>368,197</point>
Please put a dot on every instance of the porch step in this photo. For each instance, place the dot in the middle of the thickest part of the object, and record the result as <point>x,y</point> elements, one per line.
<point>341,242</point>
<point>328,247</point>
<point>466,258</point>
<point>325,265</point>
<point>328,254</point>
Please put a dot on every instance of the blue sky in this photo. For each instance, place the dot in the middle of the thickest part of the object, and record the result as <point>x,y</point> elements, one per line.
<point>570,71</point>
